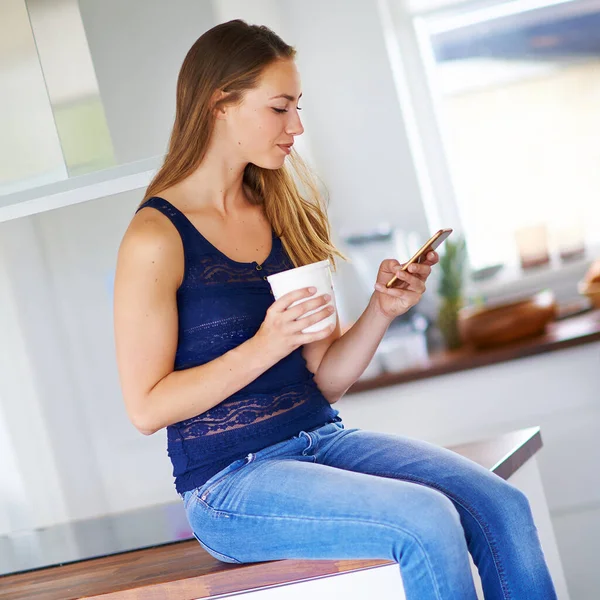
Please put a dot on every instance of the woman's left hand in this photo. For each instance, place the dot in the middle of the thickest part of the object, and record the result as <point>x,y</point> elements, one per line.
<point>408,288</point>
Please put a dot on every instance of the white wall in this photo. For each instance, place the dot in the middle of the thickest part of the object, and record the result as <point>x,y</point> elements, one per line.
<point>50,355</point>
<point>28,460</point>
<point>355,116</point>
<point>59,390</point>
<point>137,48</point>
<point>80,245</point>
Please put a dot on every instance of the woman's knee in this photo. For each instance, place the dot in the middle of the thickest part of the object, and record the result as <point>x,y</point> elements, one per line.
<point>510,505</point>
<point>516,498</point>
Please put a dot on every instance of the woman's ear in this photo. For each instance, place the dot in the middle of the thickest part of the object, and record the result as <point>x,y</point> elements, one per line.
<point>219,105</point>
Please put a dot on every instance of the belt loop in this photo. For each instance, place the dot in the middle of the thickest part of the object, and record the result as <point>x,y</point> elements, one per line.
<point>310,442</point>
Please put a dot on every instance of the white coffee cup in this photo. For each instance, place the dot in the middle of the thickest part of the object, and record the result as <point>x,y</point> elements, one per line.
<point>316,275</point>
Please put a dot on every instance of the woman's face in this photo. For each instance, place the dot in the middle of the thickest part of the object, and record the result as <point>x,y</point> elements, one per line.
<point>264,124</point>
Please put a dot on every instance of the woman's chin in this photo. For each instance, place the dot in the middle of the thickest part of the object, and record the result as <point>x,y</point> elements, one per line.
<point>270,162</point>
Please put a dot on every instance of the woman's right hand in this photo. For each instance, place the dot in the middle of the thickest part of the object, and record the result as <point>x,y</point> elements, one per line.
<point>281,331</point>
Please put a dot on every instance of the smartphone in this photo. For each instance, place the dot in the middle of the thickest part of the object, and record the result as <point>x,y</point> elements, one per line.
<point>431,244</point>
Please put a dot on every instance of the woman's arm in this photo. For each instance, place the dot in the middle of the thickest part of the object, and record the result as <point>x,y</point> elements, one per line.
<point>348,355</point>
<point>149,271</point>
<point>339,365</point>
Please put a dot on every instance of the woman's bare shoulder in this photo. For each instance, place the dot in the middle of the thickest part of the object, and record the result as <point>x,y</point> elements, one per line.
<point>151,241</point>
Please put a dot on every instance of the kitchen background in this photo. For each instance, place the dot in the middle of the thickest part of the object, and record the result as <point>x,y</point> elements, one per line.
<point>481,116</point>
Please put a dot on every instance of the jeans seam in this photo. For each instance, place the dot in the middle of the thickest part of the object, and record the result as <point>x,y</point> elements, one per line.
<point>478,519</point>
<point>336,519</point>
<point>207,548</point>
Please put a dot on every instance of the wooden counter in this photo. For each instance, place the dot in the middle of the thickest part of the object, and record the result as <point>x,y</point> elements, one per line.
<point>184,571</point>
<point>575,331</point>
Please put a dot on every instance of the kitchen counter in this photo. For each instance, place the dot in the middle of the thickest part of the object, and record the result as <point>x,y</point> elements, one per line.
<point>567,333</point>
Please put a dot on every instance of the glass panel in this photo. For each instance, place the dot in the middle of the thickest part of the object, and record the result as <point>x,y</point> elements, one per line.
<point>51,116</point>
<point>30,151</point>
<point>88,85</point>
<point>72,86</point>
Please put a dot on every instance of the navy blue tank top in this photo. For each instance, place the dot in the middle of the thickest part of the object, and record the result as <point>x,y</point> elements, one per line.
<point>221,304</point>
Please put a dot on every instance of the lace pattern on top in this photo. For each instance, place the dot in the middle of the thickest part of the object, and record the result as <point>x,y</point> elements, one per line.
<point>238,413</point>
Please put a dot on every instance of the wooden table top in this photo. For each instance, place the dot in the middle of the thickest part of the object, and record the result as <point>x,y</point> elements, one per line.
<point>567,333</point>
<point>184,571</point>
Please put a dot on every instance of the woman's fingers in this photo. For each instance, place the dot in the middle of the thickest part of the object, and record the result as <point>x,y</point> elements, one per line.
<point>412,281</point>
<point>420,270</point>
<point>432,258</point>
<point>410,296</point>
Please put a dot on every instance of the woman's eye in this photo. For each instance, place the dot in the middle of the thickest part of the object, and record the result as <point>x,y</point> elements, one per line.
<point>284,110</point>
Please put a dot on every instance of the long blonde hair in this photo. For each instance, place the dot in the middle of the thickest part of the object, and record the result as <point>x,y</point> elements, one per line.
<point>231,57</point>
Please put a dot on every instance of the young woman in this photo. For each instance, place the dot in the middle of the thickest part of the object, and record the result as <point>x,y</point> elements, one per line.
<point>262,461</point>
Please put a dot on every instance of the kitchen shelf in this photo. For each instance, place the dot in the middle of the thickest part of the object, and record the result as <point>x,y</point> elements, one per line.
<point>91,186</point>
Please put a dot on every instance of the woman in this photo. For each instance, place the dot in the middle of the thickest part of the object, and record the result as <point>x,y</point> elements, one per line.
<point>262,461</point>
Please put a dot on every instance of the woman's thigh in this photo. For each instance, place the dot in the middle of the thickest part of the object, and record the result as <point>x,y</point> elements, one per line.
<point>391,455</point>
<point>290,507</point>
<point>475,490</point>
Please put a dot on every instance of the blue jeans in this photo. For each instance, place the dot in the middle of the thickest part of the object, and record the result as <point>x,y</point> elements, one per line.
<point>336,493</point>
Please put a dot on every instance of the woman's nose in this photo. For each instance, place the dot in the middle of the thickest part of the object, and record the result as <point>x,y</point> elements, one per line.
<point>295,126</point>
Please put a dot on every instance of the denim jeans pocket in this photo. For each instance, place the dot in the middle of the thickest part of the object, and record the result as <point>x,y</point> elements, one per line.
<point>211,485</point>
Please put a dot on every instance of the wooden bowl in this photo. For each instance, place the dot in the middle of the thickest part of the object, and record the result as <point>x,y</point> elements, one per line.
<point>485,327</point>
<point>590,289</point>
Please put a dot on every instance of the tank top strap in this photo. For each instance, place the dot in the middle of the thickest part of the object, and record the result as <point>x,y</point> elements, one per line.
<point>190,236</point>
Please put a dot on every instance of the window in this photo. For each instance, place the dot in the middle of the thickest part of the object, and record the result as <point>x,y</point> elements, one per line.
<point>518,88</point>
